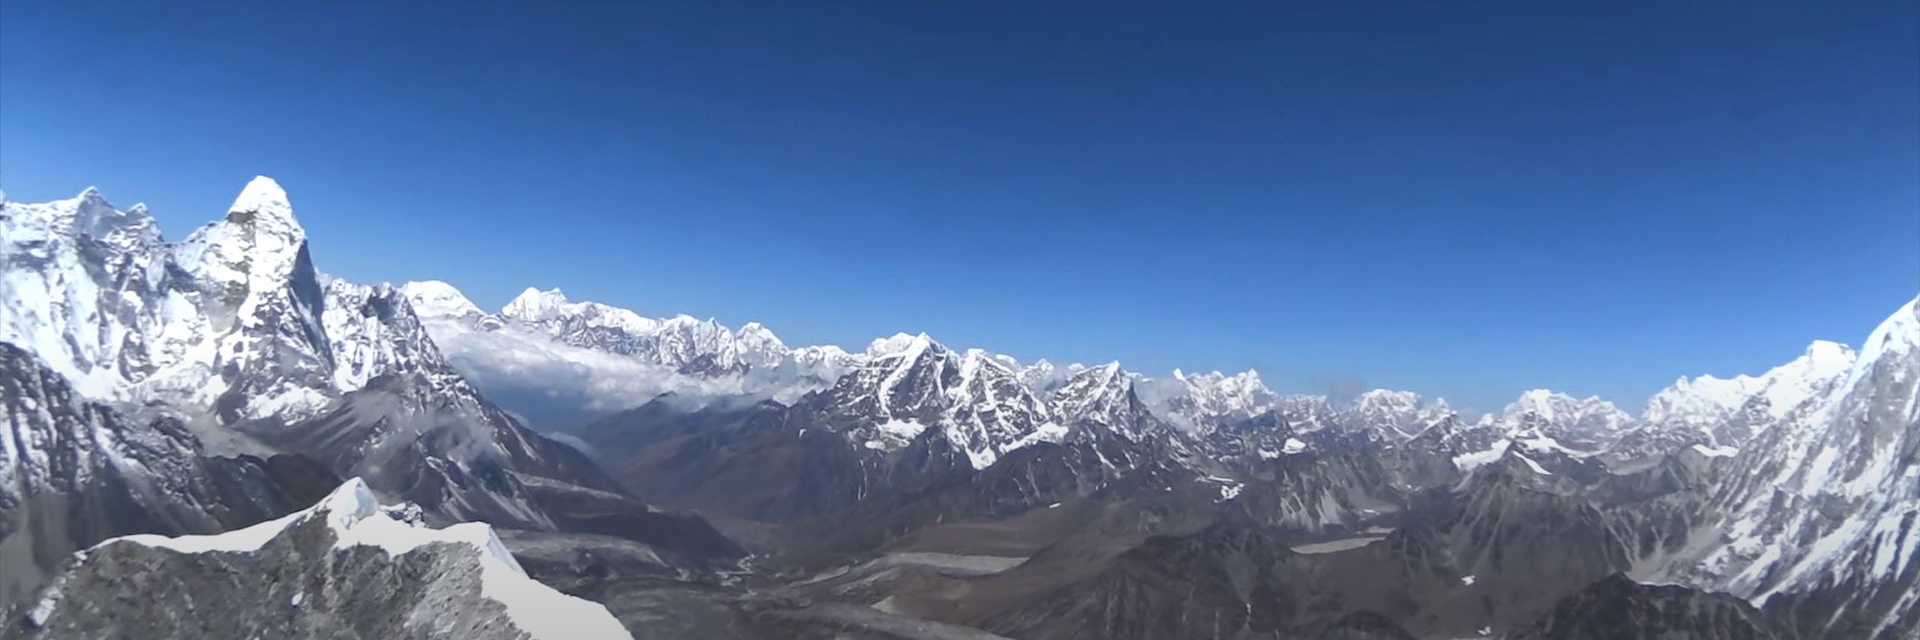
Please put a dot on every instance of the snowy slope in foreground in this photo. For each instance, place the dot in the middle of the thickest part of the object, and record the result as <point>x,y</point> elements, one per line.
<point>1827,501</point>
<point>345,562</point>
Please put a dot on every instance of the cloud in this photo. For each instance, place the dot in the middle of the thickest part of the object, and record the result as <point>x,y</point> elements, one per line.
<point>571,441</point>
<point>557,384</point>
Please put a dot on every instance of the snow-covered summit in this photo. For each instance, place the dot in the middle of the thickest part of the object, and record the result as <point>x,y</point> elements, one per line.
<point>236,326</point>
<point>535,305</point>
<point>899,343</point>
<point>607,357</point>
<point>1790,385</point>
<point>263,196</point>
<point>1103,395</point>
<point>1827,497</point>
<point>434,299</point>
<point>1587,424</point>
<point>1218,393</point>
<point>258,245</point>
<point>355,517</point>
<point>1043,377</point>
<point>759,347</point>
<point>1201,402</point>
<point>1897,337</point>
<point>1703,407</point>
<point>991,412</point>
<point>1399,414</point>
<point>231,316</point>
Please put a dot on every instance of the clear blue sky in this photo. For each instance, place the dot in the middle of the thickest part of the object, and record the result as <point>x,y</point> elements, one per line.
<point>1464,199</point>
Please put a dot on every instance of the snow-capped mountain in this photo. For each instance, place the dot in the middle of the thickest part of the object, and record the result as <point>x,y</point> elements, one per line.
<point>1541,420</point>
<point>1822,511</point>
<point>1102,395</point>
<point>990,412</point>
<point>373,333</point>
<point>345,567</point>
<point>230,321</point>
<point>977,402</point>
<point>598,358</point>
<point>916,425</point>
<point>1586,425</point>
<point>235,331</point>
<point>1198,402</point>
<point>1400,414</point>
<point>905,378</point>
<point>543,344</point>
<point>1705,406</point>
<point>1249,423</point>
<point>126,361</point>
<point>690,346</point>
<point>434,300</point>
<point>1310,413</point>
<point>50,292</point>
<point>1042,377</point>
<point>1207,403</point>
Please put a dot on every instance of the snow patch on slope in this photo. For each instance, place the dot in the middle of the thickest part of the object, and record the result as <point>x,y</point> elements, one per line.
<point>1477,459</point>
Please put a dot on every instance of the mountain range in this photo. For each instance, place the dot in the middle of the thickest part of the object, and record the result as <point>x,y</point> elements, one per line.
<point>695,480</point>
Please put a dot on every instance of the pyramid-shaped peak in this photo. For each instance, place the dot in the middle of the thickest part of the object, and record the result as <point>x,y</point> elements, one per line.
<point>533,304</point>
<point>262,195</point>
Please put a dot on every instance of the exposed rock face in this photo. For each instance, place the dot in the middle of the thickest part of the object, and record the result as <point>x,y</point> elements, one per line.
<point>74,472</point>
<point>1483,557</point>
<point>750,463</point>
<point>90,289</point>
<point>229,321</point>
<point>1825,503</point>
<point>1200,402</point>
<point>1332,489</point>
<point>1585,425</point>
<point>235,328</point>
<point>126,361</point>
<point>1161,588</point>
<point>1363,625</point>
<point>345,568</point>
<point>683,343</point>
<point>448,450</point>
<point>914,418</point>
<point>1527,537</point>
<point>1439,455</point>
<point>1502,517</point>
<point>1143,507</point>
<point>1705,408</point>
<point>1618,607</point>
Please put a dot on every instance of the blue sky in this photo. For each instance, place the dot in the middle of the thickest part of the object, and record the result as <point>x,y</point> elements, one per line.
<point>1464,199</point>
